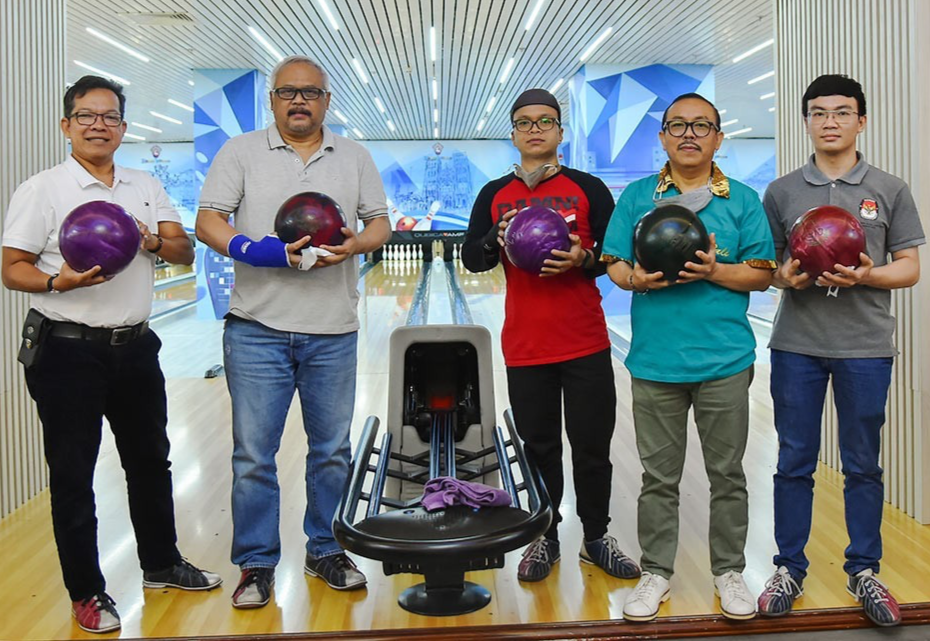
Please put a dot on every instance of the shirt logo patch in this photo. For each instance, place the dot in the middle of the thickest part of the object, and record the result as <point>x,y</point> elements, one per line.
<point>868,209</point>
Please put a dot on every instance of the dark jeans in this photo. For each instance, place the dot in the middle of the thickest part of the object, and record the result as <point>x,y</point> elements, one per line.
<point>860,389</point>
<point>75,384</point>
<point>587,384</point>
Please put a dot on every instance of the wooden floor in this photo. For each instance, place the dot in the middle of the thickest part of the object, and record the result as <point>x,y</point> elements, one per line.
<point>37,607</point>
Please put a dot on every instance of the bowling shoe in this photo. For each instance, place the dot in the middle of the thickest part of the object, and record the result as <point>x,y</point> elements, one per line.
<point>254,589</point>
<point>643,602</point>
<point>184,576</point>
<point>606,554</point>
<point>96,614</point>
<point>538,559</point>
<point>338,570</point>
<point>779,594</point>
<point>879,605</point>
<point>736,601</point>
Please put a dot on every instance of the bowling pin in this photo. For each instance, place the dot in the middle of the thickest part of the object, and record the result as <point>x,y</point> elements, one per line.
<point>426,223</point>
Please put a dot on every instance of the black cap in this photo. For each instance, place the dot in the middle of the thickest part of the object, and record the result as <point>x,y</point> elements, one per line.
<point>536,97</point>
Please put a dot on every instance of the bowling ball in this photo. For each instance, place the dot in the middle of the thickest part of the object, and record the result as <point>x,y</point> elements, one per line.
<point>532,235</point>
<point>99,233</point>
<point>824,236</point>
<point>405,224</point>
<point>313,214</point>
<point>668,237</point>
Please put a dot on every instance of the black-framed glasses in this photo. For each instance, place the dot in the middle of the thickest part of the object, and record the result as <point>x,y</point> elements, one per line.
<point>840,116</point>
<point>544,124</point>
<point>700,128</point>
<point>88,118</point>
<point>307,93</point>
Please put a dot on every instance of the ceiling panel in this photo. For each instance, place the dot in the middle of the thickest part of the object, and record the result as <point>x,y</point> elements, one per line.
<point>390,38</point>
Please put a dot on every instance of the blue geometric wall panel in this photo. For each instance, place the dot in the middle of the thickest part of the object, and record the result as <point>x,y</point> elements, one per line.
<point>617,113</point>
<point>227,102</point>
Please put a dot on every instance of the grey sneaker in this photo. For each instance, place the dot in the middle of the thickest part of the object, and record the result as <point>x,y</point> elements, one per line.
<point>338,570</point>
<point>183,576</point>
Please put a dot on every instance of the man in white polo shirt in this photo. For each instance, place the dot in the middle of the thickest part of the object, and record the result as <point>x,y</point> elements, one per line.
<point>91,353</point>
<point>290,329</point>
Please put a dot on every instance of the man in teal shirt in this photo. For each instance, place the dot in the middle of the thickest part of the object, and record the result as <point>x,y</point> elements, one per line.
<point>692,346</point>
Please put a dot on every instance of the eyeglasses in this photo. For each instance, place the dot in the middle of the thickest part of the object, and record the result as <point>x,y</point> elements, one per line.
<point>88,118</point>
<point>700,128</point>
<point>308,93</point>
<point>840,116</point>
<point>544,124</point>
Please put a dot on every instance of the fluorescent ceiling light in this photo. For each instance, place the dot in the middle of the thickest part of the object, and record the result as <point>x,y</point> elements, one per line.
<point>181,105</point>
<point>432,44</point>
<point>481,124</point>
<point>435,132</point>
<point>555,87</point>
<point>117,44</point>
<point>766,96</point>
<point>164,117</point>
<point>507,69</point>
<point>380,105</point>
<point>491,104</point>
<point>359,70</point>
<point>738,132</point>
<point>134,136</point>
<point>391,126</point>
<point>190,82</point>
<point>141,126</point>
<point>746,54</point>
<point>357,132</point>
<point>722,111</point>
<point>594,45</point>
<point>729,122</point>
<point>435,115</point>
<point>761,78</point>
<point>435,89</point>
<point>340,115</point>
<point>111,76</point>
<point>329,15</point>
<point>267,45</point>
<point>771,108</point>
<point>534,14</point>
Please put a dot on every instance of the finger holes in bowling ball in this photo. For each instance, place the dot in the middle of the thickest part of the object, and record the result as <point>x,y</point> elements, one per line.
<point>668,237</point>
<point>531,236</point>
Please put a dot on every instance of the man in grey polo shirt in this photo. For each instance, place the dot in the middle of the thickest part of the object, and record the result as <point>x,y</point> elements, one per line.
<point>836,326</point>
<point>290,329</point>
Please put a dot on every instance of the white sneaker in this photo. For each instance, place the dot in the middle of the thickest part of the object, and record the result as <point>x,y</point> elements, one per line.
<point>736,602</point>
<point>643,602</point>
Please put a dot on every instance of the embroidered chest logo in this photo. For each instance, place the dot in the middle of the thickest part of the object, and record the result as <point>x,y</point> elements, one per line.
<point>868,209</point>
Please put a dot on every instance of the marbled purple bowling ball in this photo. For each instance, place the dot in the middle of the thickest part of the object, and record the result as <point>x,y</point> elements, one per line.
<point>99,233</point>
<point>532,235</point>
<point>313,214</point>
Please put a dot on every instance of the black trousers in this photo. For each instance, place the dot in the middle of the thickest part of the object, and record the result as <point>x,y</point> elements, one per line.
<point>75,384</point>
<point>587,385</point>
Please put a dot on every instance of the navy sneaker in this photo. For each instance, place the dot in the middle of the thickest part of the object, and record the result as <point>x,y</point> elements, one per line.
<point>606,554</point>
<point>538,559</point>
<point>183,576</point>
<point>779,594</point>
<point>338,570</point>
<point>879,605</point>
<point>254,589</point>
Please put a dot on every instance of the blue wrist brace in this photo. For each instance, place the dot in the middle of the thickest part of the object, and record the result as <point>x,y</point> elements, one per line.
<point>270,251</point>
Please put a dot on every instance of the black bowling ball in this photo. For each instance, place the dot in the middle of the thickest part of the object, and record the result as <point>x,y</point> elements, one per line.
<point>668,237</point>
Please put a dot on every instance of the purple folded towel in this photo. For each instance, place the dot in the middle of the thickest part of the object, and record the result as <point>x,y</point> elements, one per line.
<point>444,491</point>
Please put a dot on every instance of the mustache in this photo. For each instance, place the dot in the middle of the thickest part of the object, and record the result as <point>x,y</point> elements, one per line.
<point>299,110</point>
<point>691,143</point>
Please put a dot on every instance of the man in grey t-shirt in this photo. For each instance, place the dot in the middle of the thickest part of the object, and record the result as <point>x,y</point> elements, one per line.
<point>290,329</point>
<point>836,326</point>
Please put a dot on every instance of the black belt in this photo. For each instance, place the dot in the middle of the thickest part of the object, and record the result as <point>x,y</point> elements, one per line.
<point>112,335</point>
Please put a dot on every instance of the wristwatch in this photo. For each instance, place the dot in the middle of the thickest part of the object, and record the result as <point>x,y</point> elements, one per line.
<point>161,241</point>
<point>50,284</point>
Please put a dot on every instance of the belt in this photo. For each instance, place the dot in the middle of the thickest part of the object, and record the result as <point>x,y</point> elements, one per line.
<point>112,335</point>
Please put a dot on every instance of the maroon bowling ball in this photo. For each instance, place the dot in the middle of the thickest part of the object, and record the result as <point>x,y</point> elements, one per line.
<point>668,237</point>
<point>824,236</point>
<point>99,233</point>
<point>310,214</point>
<point>532,235</point>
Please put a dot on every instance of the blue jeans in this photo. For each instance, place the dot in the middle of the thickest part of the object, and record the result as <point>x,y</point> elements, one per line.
<point>263,368</point>
<point>860,389</point>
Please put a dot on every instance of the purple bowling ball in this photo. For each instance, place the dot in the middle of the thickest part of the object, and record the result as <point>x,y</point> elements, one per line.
<point>532,235</point>
<point>99,233</point>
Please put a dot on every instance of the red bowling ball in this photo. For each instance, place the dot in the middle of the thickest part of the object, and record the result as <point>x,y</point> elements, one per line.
<point>405,224</point>
<point>313,214</point>
<point>532,235</point>
<point>99,233</point>
<point>825,236</point>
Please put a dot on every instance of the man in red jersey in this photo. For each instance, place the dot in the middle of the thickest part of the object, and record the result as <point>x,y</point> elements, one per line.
<point>554,338</point>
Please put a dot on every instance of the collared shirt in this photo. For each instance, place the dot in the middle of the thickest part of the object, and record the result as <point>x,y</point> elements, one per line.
<point>695,331</point>
<point>719,183</point>
<point>857,322</point>
<point>251,176</point>
<point>36,212</point>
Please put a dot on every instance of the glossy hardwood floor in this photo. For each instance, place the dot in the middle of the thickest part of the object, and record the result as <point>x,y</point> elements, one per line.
<point>37,606</point>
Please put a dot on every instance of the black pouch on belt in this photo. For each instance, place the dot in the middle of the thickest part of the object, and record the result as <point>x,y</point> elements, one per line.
<point>35,329</point>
